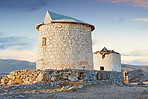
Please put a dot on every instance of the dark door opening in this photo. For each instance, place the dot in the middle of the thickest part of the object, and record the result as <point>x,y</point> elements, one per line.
<point>101,68</point>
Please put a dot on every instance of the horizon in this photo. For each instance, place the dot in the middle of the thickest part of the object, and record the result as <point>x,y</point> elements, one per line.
<point>35,62</point>
<point>120,25</point>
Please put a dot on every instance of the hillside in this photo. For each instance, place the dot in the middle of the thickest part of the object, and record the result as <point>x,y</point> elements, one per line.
<point>8,65</point>
<point>126,67</point>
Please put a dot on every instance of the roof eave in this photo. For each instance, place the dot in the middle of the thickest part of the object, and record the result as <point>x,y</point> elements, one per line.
<point>92,27</point>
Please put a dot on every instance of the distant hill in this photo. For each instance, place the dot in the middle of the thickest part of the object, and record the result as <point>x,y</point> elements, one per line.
<point>8,65</point>
<point>126,67</point>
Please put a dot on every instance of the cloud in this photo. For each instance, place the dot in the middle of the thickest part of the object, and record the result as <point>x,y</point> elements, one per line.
<point>134,60</point>
<point>136,57</point>
<point>137,53</point>
<point>140,3</point>
<point>17,47</point>
<point>138,62</point>
<point>11,53</point>
<point>125,55</point>
<point>140,19</point>
<point>18,43</point>
<point>28,5</point>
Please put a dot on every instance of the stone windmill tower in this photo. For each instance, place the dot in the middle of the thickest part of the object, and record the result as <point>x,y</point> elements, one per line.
<point>108,60</point>
<point>64,42</point>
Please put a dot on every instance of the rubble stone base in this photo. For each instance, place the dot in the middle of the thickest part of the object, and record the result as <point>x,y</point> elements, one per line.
<point>60,78</point>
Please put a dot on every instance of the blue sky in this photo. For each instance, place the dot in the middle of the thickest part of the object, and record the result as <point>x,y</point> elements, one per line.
<point>120,25</point>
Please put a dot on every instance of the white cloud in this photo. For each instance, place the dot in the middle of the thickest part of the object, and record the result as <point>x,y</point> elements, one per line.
<point>140,3</point>
<point>135,60</point>
<point>140,19</point>
<point>29,55</point>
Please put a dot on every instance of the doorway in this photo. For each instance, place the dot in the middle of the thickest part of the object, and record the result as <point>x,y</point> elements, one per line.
<point>101,68</point>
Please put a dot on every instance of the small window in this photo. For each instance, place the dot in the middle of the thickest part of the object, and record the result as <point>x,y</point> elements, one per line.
<point>103,55</point>
<point>43,41</point>
<point>101,68</point>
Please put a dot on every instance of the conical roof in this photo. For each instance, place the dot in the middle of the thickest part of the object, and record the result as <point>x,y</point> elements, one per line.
<point>104,50</point>
<point>57,18</point>
<point>54,17</point>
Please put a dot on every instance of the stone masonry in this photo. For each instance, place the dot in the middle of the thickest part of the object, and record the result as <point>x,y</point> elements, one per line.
<point>129,76</point>
<point>68,45</point>
<point>60,78</point>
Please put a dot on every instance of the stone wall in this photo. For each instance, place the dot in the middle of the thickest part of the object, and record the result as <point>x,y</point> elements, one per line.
<point>62,77</point>
<point>68,45</point>
<point>131,75</point>
<point>111,62</point>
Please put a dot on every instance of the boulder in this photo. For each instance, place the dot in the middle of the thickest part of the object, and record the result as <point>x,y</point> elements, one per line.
<point>39,77</point>
<point>53,78</point>
<point>3,81</point>
<point>45,77</point>
<point>140,83</point>
<point>99,75</point>
<point>17,80</point>
<point>73,78</point>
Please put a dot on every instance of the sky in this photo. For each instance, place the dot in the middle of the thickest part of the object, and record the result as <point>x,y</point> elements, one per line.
<point>120,25</point>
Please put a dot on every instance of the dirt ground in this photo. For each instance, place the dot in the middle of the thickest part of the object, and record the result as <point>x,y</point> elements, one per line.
<point>96,91</point>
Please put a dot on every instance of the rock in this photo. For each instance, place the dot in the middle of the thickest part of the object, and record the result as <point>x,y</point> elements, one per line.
<point>3,81</point>
<point>58,78</point>
<point>6,91</point>
<point>65,87</point>
<point>76,83</point>
<point>73,78</point>
<point>80,86</point>
<point>99,75</point>
<point>9,82</point>
<point>18,81</point>
<point>140,83</point>
<point>39,77</point>
<point>53,78</point>
<point>21,96</point>
<point>104,75</point>
<point>10,76</point>
<point>35,81</point>
<point>13,77</point>
<point>45,77</point>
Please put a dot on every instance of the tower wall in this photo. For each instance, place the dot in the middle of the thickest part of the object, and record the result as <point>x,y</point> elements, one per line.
<point>111,62</point>
<point>68,45</point>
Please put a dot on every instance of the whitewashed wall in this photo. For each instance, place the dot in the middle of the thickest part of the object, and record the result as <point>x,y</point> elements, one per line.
<point>111,62</point>
<point>69,45</point>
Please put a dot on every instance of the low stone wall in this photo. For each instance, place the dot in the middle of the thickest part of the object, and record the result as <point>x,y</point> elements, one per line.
<point>130,75</point>
<point>62,77</point>
<point>110,76</point>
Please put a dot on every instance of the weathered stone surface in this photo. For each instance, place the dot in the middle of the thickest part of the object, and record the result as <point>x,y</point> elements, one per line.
<point>68,45</point>
<point>73,78</point>
<point>3,81</point>
<point>62,77</point>
<point>17,80</point>
<point>140,83</point>
<point>53,78</point>
<point>131,75</point>
<point>39,77</point>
